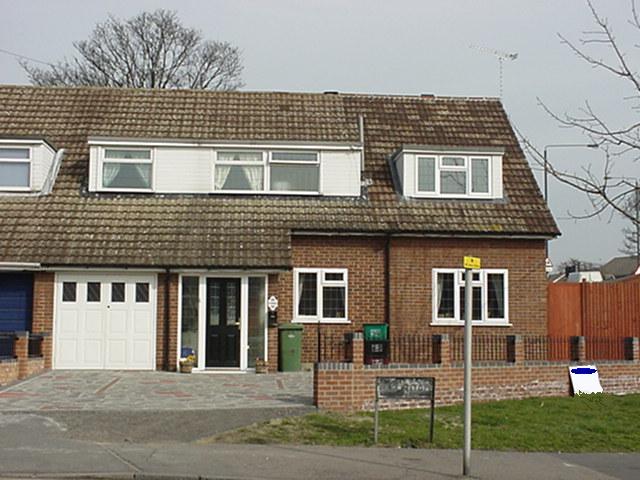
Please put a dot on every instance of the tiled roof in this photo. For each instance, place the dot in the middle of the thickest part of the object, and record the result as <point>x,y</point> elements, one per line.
<point>74,227</point>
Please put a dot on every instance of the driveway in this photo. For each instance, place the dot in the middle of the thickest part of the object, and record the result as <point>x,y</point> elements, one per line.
<point>120,406</point>
<point>139,391</point>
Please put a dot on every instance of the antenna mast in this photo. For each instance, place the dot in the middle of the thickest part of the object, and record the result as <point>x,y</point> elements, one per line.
<point>501,56</point>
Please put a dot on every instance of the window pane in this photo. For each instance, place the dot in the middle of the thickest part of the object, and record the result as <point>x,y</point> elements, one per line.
<point>117,292</point>
<point>295,156</point>
<point>495,293</point>
<point>232,177</point>
<point>69,291</point>
<point>93,292</point>
<point>296,178</point>
<point>14,174</point>
<point>257,319</point>
<point>142,292</point>
<point>307,294</point>
<point>17,153</point>
<point>240,156</point>
<point>480,175</point>
<point>427,174</point>
<point>126,175</point>
<point>445,298</point>
<point>452,162</point>
<point>190,300</point>
<point>333,302</point>
<point>334,277</point>
<point>128,154</point>
<point>476,311</point>
<point>453,182</point>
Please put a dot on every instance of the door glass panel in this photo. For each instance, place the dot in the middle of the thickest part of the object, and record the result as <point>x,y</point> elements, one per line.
<point>257,319</point>
<point>232,302</point>
<point>142,292</point>
<point>214,303</point>
<point>69,292</point>
<point>190,301</point>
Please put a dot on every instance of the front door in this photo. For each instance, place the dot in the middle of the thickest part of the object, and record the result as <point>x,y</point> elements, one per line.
<point>223,322</point>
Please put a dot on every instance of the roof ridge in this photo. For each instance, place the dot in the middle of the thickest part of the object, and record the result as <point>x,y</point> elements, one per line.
<point>327,93</point>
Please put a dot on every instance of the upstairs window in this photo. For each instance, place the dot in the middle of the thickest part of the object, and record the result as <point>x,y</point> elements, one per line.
<point>15,168</point>
<point>294,172</point>
<point>489,298</point>
<point>126,169</point>
<point>453,176</point>
<point>239,171</point>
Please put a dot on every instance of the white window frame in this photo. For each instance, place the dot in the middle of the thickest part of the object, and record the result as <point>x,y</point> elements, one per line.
<point>320,283</point>
<point>28,161</point>
<point>262,163</point>
<point>102,160</point>
<point>440,167</point>
<point>458,274</point>
<point>295,162</point>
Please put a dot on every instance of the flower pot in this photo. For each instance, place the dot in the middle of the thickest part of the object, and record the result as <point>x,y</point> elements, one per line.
<point>186,367</point>
<point>262,366</point>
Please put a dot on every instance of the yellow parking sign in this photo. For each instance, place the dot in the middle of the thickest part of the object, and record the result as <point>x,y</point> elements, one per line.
<point>472,262</point>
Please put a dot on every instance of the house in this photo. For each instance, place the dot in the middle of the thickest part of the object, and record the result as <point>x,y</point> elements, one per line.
<point>138,225</point>
<point>620,267</point>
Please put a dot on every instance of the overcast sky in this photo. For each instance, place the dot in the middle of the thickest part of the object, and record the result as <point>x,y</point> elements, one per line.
<point>408,47</point>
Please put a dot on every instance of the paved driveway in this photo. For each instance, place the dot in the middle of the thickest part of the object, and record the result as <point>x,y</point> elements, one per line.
<point>145,391</point>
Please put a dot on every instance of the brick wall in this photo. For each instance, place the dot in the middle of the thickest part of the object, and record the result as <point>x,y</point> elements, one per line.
<point>173,321</point>
<point>42,323</point>
<point>411,264</point>
<point>8,371</point>
<point>351,386</point>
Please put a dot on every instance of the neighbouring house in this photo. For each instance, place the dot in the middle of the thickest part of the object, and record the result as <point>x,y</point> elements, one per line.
<point>137,225</point>
<point>620,267</point>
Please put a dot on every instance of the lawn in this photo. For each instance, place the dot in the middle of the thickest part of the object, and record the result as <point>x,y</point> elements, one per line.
<point>603,423</point>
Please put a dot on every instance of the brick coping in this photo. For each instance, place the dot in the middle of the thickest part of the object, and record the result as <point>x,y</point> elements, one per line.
<point>332,366</point>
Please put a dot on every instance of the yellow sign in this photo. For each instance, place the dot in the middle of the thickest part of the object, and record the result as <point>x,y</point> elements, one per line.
<point>472,262</point>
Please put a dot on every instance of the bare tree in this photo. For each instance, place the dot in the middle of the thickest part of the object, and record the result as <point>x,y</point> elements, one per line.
<point>606,190</point>
<point>631,233</point>
<point>149,50</point>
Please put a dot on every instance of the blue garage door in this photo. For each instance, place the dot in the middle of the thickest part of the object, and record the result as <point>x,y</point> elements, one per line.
<point>16,301</point>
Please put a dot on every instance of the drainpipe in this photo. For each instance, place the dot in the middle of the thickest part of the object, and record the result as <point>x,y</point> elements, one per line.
<point>387,281</point>
<point>167,286</point>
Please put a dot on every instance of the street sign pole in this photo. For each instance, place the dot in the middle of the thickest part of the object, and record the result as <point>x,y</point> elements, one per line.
<point>469,264</point>
<point>468,305</point>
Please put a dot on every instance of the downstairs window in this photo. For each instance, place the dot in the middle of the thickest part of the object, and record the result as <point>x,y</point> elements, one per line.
<point>321,295</point>
<point>490,304</point>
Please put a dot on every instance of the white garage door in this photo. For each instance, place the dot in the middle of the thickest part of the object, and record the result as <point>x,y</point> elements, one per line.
<point>104,321</point>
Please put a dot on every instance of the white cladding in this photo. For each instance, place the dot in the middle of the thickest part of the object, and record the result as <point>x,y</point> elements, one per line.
<point>41,156</point>
<point>406,168</point>
<point>190,169</point>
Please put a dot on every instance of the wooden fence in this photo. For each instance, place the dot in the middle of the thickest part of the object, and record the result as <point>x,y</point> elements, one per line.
<point>599,309</point>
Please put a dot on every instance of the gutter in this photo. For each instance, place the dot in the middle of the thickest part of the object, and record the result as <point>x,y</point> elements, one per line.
<point>167,286</point>
<point>20,266</point>
<point>387,281</point>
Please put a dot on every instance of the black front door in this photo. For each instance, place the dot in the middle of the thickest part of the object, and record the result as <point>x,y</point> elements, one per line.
<point>223,322</point>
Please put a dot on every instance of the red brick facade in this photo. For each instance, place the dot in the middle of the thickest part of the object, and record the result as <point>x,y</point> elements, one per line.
<point>411,261</point>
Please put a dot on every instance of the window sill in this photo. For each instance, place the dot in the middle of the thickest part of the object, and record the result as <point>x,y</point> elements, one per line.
<point>475,323</point>
<point>338,321</point>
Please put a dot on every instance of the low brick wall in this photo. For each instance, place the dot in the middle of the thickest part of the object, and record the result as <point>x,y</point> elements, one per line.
<point>8,371</point>
<point>351,386</point>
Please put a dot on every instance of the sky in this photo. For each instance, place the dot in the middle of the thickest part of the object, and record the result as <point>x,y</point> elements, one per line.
<point>404,47</point>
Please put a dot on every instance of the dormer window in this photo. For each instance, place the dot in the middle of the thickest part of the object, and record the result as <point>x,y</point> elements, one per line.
<point>15,168</point>
<point>294,172</point>
<point>454,174</point>
<point>126,169</point>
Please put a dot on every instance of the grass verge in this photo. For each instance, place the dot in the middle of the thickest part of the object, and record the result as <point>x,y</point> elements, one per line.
<point>589,423</point>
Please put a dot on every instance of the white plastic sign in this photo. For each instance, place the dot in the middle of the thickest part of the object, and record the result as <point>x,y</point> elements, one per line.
<point>585,379</point>
<point>272,303</point>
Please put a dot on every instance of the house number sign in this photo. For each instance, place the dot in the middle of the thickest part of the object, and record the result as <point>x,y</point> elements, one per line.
<point>405,388</point>
<point>272,303</point>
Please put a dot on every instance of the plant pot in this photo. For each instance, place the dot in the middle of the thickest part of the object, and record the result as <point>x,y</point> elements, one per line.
<point>262,366</point>
<point>186,367</point>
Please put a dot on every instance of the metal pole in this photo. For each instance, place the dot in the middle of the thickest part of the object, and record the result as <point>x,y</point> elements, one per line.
<point>468,305</point>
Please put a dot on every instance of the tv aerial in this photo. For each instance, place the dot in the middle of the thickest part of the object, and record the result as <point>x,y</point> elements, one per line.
<point>501,56</point>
